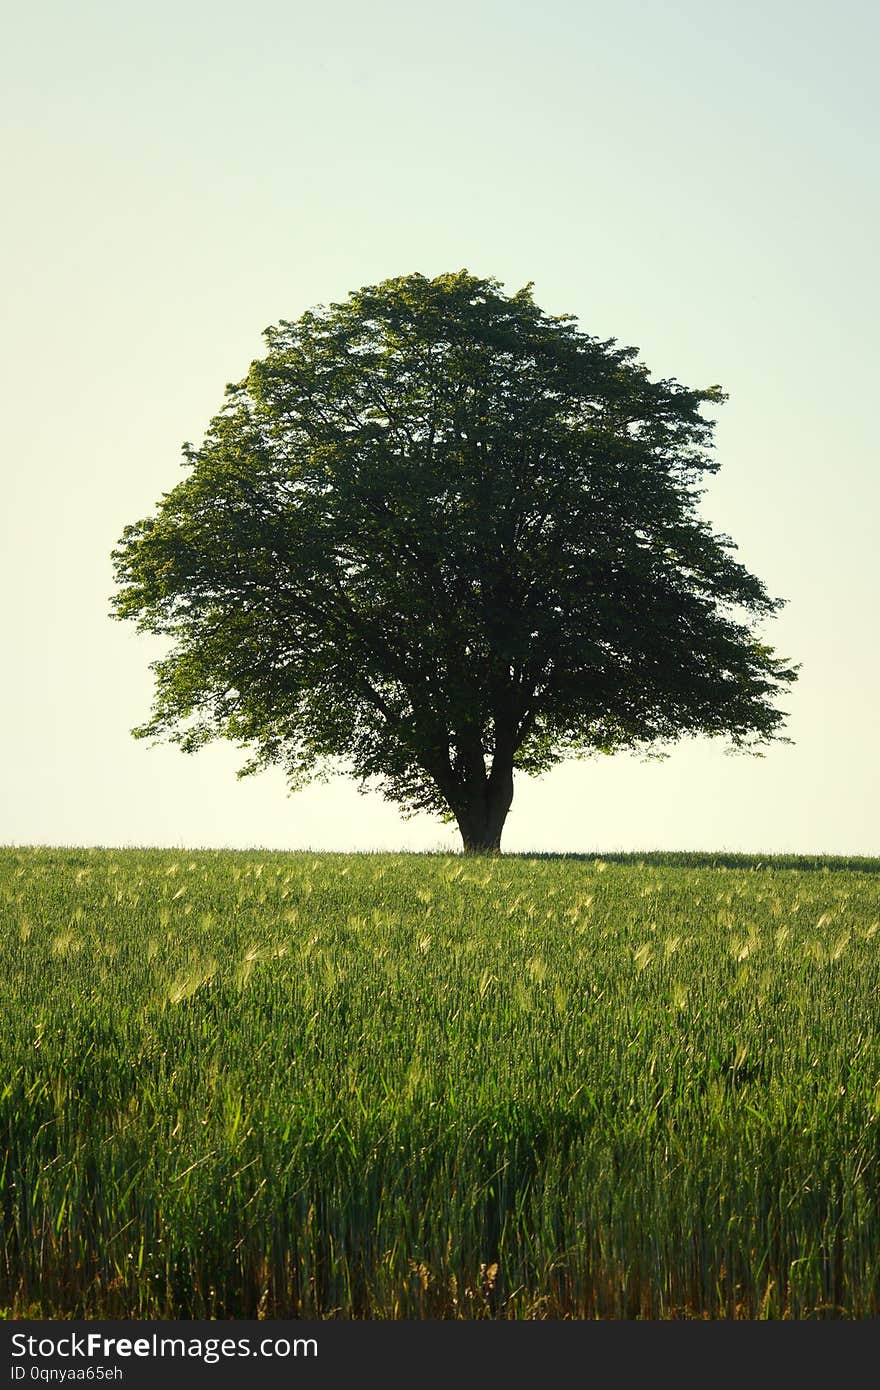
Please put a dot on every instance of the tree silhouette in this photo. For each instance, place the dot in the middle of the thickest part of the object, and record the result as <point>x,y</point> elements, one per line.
<point>436,536</point>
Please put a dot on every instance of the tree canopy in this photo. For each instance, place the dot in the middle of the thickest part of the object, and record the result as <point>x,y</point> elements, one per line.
<point>437,535</point>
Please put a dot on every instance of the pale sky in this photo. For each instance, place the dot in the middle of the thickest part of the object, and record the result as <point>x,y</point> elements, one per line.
<point>699,181</point>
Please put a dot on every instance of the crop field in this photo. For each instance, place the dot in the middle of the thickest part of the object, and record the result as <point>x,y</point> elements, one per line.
<point>402,1086</point>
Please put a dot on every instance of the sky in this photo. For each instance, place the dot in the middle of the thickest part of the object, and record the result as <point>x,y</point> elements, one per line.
<point>697,181</point>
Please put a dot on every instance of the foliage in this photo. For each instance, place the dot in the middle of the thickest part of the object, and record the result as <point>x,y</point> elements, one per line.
<point>441,535</point>
<point>247,1085</point>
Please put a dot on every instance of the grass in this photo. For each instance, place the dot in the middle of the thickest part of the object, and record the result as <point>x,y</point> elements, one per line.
<point>316,1085</point>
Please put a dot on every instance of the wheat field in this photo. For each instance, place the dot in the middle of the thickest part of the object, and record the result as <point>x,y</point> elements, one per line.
<point>401,1086</point>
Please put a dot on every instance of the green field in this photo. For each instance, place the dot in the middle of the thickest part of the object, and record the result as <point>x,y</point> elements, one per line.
<point>314,1085</point>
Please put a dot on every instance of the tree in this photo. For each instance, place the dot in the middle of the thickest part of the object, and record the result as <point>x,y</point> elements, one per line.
<point>437,535</point>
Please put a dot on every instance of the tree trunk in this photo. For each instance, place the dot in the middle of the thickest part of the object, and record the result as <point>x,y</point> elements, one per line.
<point>481,819</point>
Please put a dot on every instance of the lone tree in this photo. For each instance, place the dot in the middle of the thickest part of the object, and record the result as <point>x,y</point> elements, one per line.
<point>437,535</point>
